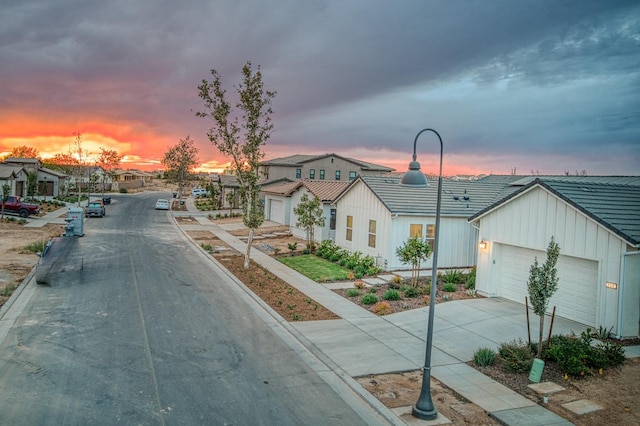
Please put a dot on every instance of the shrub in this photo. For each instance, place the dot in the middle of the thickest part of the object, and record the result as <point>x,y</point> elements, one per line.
<point>397,279</point>
<point>576,356</point>
<point>369,299</point>
<point>391,294</point>
<point>516,355</point>
<point>409,291</point>
<point>206,247</point>
<point>382,308</point>
<point>353,292</point>
<point>37,247</point>
<point>449,287</point>
<point>613,353</point>
<point>358,284</point>
<point>123,190</point>
<point>470,280</point>
<point>452,276</point>
<point>484,356</point>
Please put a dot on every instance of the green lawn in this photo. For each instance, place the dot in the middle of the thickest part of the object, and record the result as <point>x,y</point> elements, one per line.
<point>316,268</point>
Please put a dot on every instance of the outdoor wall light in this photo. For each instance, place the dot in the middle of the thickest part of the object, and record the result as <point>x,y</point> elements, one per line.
<point>424,408</point>
<point>483,244</point>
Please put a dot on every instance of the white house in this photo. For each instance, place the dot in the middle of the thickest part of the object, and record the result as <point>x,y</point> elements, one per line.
<point>16,177</point>
<point>280,200</point>
<point>597,226</point>
<point>377,214</point>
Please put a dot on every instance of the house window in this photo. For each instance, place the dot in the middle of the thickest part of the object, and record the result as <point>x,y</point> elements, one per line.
<point>337,174</point>
<point>312,173</point>
<point>372,233</point>
<point>431,235</point>
<point>298,173</point>
<point>415,230</point>
<point>352,175</point>
<point>332,220</point>
<point>349,235</point>
<point>321,174</point>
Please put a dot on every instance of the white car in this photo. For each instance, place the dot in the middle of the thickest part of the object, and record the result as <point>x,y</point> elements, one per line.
<point>196,192</point>
<point>162,204</point>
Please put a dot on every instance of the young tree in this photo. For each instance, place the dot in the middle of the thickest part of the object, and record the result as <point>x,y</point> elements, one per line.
<point>179,160</point>
<point>543,282</point>
<point>414,251</point>
<point>231,200</point>
<point>241,138</point>
<point>79,168</point>
<point>108,160</point>
<point>6,189</point>
<point>310,215</point>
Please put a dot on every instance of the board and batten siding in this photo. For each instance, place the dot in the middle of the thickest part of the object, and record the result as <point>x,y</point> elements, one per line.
<point>362,204</point>
<point>457,241</point>
<point>529,221</point>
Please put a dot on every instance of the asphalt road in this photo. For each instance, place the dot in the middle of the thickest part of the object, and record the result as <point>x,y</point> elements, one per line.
<point>138,328</point>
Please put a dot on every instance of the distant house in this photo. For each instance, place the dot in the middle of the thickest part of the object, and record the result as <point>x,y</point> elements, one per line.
<point>318,167</point>
<point>229,196</point>
<point>280,200</point>
<point>130,179</point>
<point>595,221</point>
<point>51,182</point>
<point>16,177</point>
<point>377,214</point>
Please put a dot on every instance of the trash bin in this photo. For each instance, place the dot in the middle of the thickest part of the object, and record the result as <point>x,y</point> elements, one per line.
<point>76,214</point>
<point>175,195</point>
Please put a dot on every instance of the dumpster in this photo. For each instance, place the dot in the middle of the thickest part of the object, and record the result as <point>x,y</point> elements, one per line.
<point>76,216</point>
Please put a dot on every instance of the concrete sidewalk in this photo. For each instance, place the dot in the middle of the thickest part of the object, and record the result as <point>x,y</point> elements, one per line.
<point>362,343</point>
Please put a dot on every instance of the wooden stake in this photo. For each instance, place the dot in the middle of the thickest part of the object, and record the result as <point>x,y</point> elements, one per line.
<point>526,306</point>
<point>553,315</point>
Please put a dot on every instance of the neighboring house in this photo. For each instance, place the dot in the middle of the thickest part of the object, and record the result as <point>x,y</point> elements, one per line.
<point>16,177</point>
<point>31,165</point>
<point>130,179</point>
<point>377,214</point>
<point>597,226</point>
<point>280,200</point>
<point>50,182</point>
<point>318,167</point>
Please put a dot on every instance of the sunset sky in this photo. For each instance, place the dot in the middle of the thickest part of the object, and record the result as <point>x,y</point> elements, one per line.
<point>540,86</point>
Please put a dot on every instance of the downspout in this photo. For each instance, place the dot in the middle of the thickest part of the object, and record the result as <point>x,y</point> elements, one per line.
<point>623,286</point>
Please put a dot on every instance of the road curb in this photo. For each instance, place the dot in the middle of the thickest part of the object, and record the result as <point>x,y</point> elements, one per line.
<point>18,291</point>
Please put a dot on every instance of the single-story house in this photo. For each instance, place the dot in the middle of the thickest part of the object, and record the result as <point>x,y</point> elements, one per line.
<point>281,200</point>
<point>377,214</point>
<point>596,225</point>
<point>16,177</point>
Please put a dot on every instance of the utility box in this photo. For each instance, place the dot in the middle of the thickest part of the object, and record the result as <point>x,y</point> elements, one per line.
<point>75,216</point>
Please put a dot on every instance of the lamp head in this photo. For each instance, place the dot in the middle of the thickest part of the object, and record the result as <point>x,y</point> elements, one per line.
<point>413,176</point>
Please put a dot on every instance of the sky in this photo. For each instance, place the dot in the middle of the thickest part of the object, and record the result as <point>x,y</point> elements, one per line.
<point>527,86</point>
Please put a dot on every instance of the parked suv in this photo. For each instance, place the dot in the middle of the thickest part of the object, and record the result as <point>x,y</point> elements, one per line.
<point>95,208</point>
<point>196,192</point>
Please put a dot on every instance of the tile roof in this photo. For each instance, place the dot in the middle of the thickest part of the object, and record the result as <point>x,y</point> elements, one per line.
<point>325,190</point>
<point>525,180</point>
<point>459,198</point>
<point>616,207</point>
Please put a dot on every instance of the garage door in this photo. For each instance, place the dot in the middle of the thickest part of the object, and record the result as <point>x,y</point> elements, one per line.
<point>276,211</point>
<point>575,298</point>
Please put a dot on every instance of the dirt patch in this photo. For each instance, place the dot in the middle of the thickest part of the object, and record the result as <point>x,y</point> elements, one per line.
<point>15,261</point>
<point>403,390</point>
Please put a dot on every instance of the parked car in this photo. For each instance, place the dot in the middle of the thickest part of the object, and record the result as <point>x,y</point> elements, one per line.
<point>162,204</point>
<point>196,192</point>
<point>16,206</point>
<point>95,208</point>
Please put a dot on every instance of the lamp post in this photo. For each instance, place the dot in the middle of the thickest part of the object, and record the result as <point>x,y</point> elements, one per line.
<point>424,408</point>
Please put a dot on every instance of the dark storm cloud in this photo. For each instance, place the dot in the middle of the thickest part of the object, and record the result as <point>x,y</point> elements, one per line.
<point>526,77</point>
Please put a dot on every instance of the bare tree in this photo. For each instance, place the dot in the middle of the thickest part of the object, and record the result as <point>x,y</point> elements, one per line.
<point>108,160</point>
<point>241,138</point>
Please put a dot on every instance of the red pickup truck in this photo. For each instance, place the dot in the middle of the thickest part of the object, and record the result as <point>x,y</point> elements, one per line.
<point>15,206</point>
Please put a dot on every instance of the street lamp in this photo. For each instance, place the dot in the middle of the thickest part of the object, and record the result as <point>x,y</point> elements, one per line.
<point>424,408</point>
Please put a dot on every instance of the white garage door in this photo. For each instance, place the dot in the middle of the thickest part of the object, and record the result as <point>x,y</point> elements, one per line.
<point>276,211</point>
<point>575,298</point>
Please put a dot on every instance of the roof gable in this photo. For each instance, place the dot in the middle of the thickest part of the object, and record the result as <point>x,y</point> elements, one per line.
<point>300,159</point>
<point>616,207</point>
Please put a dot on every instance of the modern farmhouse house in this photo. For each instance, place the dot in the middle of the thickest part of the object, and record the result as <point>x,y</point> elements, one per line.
<point>280,200</point>
<point>318,167</point>
<point>377,214</point>
<point>597,226</point>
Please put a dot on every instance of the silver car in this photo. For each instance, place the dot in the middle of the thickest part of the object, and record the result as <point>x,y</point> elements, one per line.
<point>162,204</point>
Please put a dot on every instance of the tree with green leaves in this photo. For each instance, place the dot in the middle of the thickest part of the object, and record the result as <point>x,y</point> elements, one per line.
<point>108,161</point>
<point>310,214</point>
<point>414,251</point>
<point>542,284</point>
<point>179,160</point>
<point>6,189</point>
<point>240,135</point>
